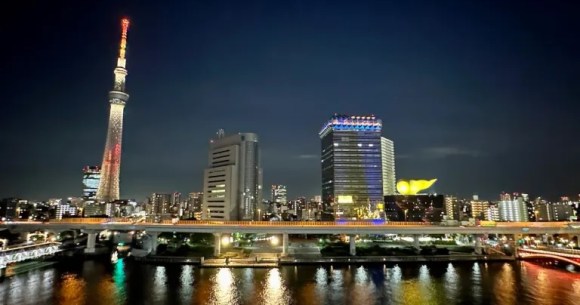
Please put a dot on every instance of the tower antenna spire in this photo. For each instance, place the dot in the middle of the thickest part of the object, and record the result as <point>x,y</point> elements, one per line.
<point>123,44</point>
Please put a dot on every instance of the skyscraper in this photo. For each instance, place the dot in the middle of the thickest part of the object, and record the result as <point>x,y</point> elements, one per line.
<point>109,184</point>
<point>232,183</point>
<point>91,179</point>
<point>352,181</point>
<point>279,194</point>
<point>160,204</point>
<point>388,166</point>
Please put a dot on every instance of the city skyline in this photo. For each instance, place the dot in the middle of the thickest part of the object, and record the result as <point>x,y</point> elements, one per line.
<point>459,107</point>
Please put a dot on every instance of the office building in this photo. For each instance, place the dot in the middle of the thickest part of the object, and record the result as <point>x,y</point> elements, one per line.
<point>352,183</point>
<point>388,166</point>
<point>232,183</point>
<point>279,194</point>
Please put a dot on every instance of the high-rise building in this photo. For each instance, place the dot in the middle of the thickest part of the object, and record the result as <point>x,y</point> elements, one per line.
<point>111,166</point>
<point>388,166</point>
<point>279,194</point>
<point>479,208</point>
<point>512,209</point>
<point>8,208</point>
<point>193,207</point>
<point>91,179</point>
<point>562,211</point>
<point>452,207</point>
<point>491,213</point>
<point>232,183</point>
<point>160,204</point>
<point>543,211</point>
<point>351,163</point>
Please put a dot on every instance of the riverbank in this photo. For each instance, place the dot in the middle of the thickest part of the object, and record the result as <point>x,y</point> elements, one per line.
<point>276,262</point>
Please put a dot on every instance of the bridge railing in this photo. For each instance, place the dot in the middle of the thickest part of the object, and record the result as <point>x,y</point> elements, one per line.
<point>29,247</point>
<point>298,223</point>
<point>550,224</point>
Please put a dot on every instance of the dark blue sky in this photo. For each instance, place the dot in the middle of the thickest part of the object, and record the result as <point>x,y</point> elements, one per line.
<point>482,95</point>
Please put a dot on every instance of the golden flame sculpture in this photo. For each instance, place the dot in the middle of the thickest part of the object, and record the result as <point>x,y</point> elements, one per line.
<point>412,187</point>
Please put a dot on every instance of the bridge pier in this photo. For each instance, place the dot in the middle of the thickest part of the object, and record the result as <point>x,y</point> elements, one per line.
<point>217,242</point>
<point>477,246</point>
<point>352,245</point>
<point>416,244</point>
<point>154,243</point>
<point>91,242</point>
<point>285,244</point>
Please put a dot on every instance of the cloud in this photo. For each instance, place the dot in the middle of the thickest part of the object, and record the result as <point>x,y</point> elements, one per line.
<point>449,151</point>
<point>307,156</point>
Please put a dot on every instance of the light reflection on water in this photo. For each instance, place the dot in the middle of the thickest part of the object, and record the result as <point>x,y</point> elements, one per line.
<point>447,283</point>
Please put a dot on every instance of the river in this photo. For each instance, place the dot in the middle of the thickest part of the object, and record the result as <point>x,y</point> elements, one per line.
<point>127,282</point>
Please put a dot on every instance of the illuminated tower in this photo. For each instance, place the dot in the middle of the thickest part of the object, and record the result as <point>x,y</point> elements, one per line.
<point>109,184</point>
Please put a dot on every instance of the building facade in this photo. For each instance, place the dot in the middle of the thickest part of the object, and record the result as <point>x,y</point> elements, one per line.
<point>91,180</point>
<point>452,208</point>
<point>232,183</point>
<point>279,194</point>
<point>388,166</point>
<point>512,208</point>
<point>479,208</point>
<point>160,205</point>
<point>352,182</point>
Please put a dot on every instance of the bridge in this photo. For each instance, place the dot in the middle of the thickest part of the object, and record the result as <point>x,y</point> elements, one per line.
<point>92,226</point>
<point>569,256</point>
<point>22,253</point>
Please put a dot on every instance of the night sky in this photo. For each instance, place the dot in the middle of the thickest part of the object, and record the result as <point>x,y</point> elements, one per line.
<point>483,96</point>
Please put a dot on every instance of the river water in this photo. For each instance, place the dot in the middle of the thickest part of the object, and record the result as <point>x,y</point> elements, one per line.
<point>128,282</point>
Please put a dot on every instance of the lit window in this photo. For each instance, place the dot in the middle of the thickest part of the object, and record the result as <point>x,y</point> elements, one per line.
<point>359,145</point>
<point>335,144</point>
<point>371,145</point>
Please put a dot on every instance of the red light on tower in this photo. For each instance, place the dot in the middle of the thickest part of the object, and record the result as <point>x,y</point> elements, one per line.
<point>125,25</point>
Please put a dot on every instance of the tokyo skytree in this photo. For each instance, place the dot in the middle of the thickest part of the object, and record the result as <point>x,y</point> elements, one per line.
<point>109,185</point>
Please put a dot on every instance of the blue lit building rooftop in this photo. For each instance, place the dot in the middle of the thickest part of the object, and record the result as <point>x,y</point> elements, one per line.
<point>351,123</point>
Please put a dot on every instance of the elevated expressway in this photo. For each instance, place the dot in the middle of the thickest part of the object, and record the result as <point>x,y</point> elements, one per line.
<point>92,226</point>
<point>292,227</point>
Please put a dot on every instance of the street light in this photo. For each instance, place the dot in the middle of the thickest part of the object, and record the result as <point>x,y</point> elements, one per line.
<point>274,240</point>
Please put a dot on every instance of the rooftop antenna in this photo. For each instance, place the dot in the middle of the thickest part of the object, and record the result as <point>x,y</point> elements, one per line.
<point>221,133</point>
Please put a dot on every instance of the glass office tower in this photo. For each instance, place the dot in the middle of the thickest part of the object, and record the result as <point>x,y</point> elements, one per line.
<point>352,183</point>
